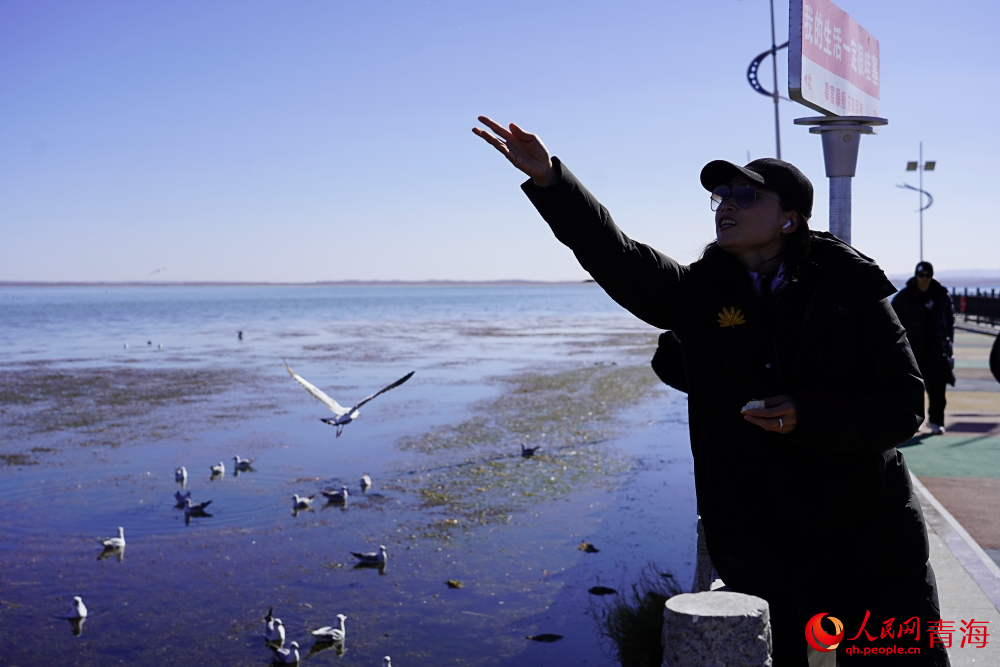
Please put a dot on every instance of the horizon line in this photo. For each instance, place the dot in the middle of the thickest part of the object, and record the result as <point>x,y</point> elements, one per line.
<point>317,283</point>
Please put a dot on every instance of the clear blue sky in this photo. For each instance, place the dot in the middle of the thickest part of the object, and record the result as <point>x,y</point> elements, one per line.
<point>317,140</point>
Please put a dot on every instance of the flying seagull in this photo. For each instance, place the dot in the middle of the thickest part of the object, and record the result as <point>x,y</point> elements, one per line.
<point>330,634</point>
<point>192,509</point>
<point>182,498</point>
<point>528,452</point>
<point>343,416</point>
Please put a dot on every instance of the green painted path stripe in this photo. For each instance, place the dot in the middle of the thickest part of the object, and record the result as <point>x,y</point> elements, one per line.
<point>965,455</point>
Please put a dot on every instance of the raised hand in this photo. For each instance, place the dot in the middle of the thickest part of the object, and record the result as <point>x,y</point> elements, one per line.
<point>525,151</point>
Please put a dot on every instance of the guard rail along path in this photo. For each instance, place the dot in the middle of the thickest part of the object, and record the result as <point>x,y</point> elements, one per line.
<point>980,308</point>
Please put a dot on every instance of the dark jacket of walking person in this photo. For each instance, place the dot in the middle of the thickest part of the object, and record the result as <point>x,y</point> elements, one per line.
<point>806,502</point>
<point>924,308</point>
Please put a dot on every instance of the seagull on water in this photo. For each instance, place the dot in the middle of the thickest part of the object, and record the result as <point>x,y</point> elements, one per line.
<point>242,464</point>
<point>274,630</point>
<point>343,416</point>
<point>302,502</point>
<point>329,633</point>
<point>219,469</point>
<point>181,475</point>
<point>79,610</point>
<point>372,558</point>
<point>336,496</point>
<point>287,656</point>
<point>366,482</point>
<point>190,509</point>
<point>114,542</point>
<point>182,498</point>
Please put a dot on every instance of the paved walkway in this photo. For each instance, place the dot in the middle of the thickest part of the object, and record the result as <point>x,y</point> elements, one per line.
<point>958,479</point>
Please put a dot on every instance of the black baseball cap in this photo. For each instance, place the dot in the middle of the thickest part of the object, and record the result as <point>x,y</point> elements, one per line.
<point>924,267</point>
<point>782,177</point>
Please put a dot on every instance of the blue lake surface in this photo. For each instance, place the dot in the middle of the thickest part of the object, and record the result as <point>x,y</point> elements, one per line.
<point>92,431</point>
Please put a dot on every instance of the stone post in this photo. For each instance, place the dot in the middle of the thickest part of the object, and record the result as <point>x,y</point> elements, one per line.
<point>716,628</point>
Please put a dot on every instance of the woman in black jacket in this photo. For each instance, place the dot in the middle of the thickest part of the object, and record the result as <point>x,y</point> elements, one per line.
<point>805,502</point>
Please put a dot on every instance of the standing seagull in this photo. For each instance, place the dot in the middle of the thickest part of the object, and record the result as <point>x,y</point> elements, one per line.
<point>114,542</point>
<point>181,475</point>
<point>242,464</point>
<point>287,656</point>
<point>366,482</point>
<point>330,634</point>
<point>372,558</point>
<point>274,630</point>
<point>336,496</point>
<point>344,416</point>
<point>78,610</point>
<point>302,502</point>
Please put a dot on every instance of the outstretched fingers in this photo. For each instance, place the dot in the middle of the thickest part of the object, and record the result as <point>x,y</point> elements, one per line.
<point>491,140</point>
<point>496,127</point>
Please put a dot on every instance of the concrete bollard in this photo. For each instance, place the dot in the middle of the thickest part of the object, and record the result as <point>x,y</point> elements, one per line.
<point>716,629</point>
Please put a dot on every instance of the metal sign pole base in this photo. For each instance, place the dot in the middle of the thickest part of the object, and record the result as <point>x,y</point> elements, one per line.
<point>841,140</point>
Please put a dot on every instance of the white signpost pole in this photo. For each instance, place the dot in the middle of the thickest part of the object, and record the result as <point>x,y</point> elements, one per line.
<point>833,67</point>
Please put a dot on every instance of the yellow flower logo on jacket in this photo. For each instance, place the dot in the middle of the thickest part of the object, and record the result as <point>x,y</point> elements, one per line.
<point>730,317</point>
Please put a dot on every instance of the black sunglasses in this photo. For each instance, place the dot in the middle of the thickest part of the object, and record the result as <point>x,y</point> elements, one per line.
<point>744,195</point>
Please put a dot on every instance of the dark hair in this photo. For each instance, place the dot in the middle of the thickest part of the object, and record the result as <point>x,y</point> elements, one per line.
<point>794,253</point>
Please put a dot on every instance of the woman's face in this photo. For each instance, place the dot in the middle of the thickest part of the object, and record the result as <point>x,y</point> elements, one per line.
<point>757,228</point>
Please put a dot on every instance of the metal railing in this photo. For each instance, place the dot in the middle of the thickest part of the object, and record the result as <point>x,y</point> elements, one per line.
<point>982,307</point>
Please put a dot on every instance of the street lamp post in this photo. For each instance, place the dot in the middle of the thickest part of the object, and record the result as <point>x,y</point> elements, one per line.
<point>921,166</point>
<point>755,82</point>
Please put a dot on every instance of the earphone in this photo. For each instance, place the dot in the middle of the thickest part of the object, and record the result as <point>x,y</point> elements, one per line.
<point>787,225</point>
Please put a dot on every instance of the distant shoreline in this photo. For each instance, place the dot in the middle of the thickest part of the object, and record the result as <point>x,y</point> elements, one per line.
<point>324,283</point>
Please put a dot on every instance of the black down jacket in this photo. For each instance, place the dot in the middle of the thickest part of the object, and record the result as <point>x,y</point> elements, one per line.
<point>834,496</point>
<point>929,320</point>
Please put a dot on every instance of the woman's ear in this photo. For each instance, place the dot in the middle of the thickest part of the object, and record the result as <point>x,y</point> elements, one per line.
<point>792,221</point>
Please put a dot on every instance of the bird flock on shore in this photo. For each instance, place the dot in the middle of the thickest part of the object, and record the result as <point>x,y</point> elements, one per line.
<point>274,630</point>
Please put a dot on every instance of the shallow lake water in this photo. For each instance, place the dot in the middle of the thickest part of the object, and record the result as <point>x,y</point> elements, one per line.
<point>91,432</point>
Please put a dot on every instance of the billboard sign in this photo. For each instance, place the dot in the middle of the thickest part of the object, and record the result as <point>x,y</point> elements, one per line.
<point>833,63</point>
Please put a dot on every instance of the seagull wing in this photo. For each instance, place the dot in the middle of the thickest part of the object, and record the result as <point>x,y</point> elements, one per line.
<point>382,391</point>
<point>320,395</point>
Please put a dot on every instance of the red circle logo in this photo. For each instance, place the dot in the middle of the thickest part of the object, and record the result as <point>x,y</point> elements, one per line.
<point>819,638</point>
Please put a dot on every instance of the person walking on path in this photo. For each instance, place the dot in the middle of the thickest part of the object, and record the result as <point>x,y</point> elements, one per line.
<point>805,502</point>
<point>924,308</point>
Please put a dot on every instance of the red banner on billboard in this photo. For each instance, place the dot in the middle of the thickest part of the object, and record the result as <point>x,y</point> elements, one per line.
<point>833,63</point>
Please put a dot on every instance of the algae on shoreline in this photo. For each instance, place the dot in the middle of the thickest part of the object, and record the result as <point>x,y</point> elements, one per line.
<point>113,405</point>
<point>569,414</point>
